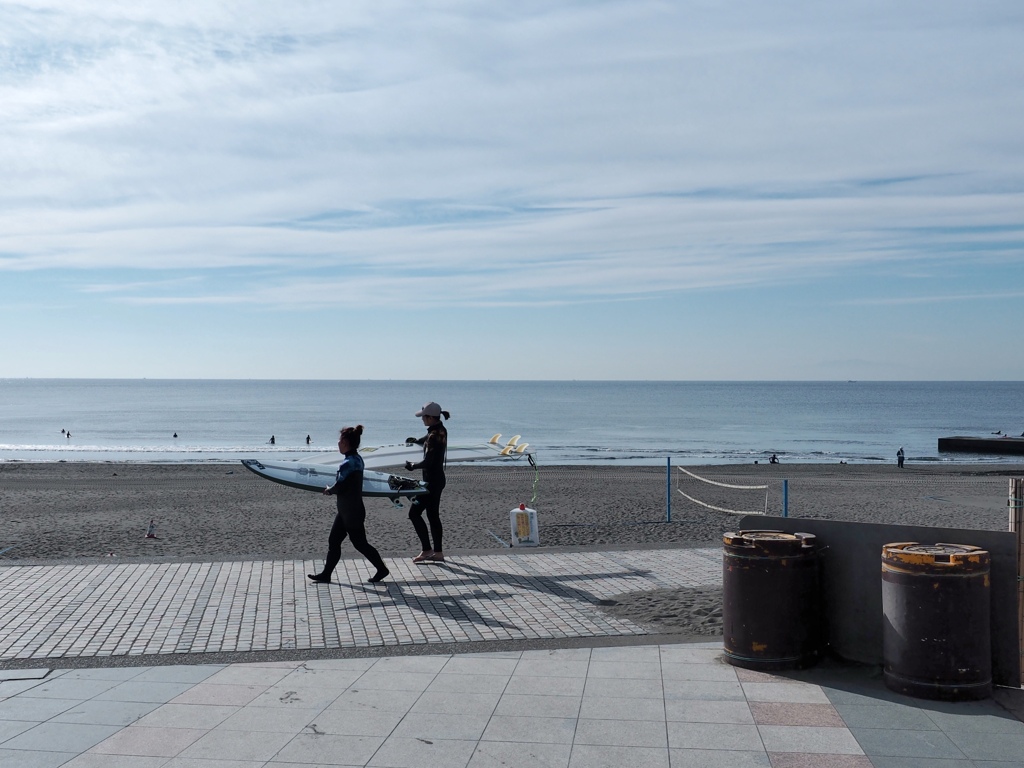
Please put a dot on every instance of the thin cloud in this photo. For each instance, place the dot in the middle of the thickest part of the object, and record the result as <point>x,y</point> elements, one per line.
<point>543,154</point>
<point>123,287</point>
<point>172,301</point>
<point>934,299</point>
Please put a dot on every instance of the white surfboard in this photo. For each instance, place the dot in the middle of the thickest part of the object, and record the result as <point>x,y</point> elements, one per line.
<point>316,477</point>
<point>317,471</point>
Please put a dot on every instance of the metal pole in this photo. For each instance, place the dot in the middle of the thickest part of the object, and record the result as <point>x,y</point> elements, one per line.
<point>668,489</point>
<point>1016,505</point>
<point>785,498</point>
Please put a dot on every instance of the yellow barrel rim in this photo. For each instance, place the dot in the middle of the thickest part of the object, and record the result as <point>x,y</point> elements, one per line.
<point>939,554</point>
<point>775,542</point>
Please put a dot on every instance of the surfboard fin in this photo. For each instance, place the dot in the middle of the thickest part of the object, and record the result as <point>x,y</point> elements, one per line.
<point>506,451</point>
<point>522,448</point>
<point>494,440</point>
<point>513,441</point>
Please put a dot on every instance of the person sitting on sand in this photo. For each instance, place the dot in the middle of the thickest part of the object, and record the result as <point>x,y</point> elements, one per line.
<point>351,518</point>
<point>435,448</point>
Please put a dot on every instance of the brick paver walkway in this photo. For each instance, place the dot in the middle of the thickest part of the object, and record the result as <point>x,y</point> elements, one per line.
<point>116,609</point>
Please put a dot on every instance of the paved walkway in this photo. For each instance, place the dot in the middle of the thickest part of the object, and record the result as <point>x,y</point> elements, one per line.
<point>663,706</point>
<point>132,609</point>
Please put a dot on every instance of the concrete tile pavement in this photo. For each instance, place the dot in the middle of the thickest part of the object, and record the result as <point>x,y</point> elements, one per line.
<point>470,710</point>
<point>448,710</point>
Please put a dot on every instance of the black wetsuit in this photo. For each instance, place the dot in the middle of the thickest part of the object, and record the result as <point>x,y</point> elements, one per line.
<point>351,518</point>
<point>435,447</point>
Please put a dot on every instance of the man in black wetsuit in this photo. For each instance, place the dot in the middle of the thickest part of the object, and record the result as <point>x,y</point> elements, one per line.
<point>435,447</point>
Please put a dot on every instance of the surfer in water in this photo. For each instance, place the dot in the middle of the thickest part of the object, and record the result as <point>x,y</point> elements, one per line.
<point>435,447</point>
<point>351,518</point>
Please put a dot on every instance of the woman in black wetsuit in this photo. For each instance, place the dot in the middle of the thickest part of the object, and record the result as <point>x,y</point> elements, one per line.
<point>435,446</point>
<point>351,517</point>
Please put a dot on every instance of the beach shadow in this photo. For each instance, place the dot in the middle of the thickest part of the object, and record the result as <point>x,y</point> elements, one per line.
<point>566,585</point>
<point>445,607</point>
<point>474,583</point>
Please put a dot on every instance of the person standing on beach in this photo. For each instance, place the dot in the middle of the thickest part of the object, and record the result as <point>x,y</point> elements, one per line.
<point>435,448</point>
<point>899,457</point>
<point>351,518</point>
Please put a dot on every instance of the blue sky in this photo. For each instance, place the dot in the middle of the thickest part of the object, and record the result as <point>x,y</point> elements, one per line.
<point>471,190</point>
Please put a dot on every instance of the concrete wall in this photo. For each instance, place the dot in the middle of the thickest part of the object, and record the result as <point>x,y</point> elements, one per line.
<point>851,583</point>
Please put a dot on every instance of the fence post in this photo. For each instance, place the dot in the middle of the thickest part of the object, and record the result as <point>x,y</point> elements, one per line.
<point>1016,505</point>
<point>785,498</point>
<point>668,489</point>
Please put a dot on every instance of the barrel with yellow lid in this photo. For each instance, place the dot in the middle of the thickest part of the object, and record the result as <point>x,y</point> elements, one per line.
<point>936,636</point>
<point>770,599</point>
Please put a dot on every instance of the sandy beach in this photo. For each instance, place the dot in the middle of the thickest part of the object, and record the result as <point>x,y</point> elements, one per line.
<point>87,512</point>
<point>70,511</point>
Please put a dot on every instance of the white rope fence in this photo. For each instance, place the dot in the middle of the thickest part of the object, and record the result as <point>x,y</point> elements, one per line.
<point>724,485</point>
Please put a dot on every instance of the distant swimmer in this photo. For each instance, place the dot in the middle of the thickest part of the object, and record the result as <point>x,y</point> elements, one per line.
<point>998,432</point>
<point>175,434</point>
<point>774,459</point>
<point>272,441</point>
<point>62,431</point>
<point>308,440</point>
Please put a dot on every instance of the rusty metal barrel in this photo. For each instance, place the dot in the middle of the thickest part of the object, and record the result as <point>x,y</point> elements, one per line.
<point>936,637</point>
<point>770,595</point>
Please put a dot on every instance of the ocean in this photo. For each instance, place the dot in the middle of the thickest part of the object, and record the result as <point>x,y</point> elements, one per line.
<point>565,422</point>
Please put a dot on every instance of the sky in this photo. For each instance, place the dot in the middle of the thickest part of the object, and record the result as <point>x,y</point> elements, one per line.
<point>534,190</point>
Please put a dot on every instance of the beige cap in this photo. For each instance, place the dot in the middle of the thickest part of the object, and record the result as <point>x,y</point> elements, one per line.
<point>430,409</point>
